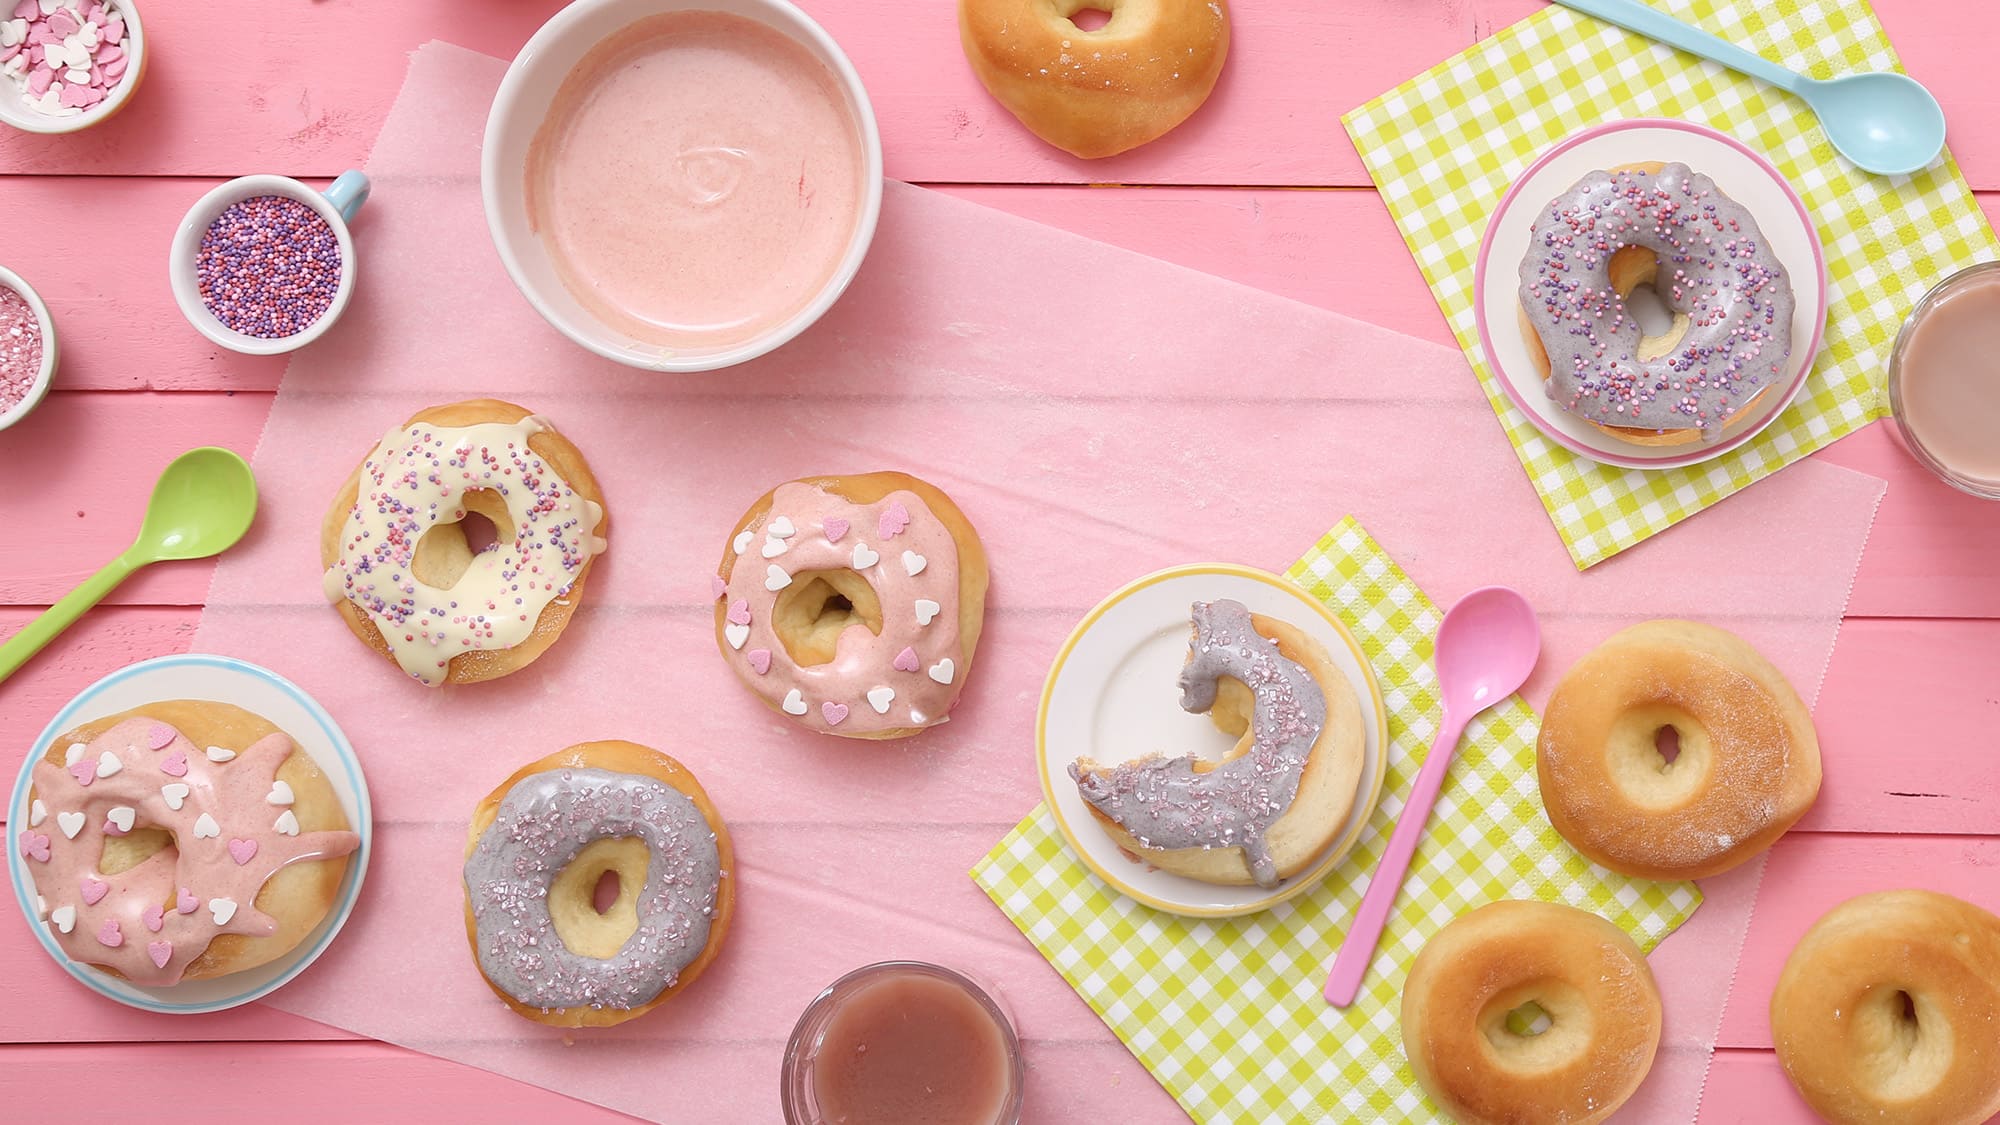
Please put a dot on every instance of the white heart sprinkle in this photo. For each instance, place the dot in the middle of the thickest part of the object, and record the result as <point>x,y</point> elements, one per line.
<point>914,563</point>
<point>775,578</point>
<point>175,792</point>
<point>218,754</point>
<point>864,558</point>
<point>206,828</point>
<point>287,824</point>
<point>74,754</point>
<point>781,528</point>
<point>280,794</point>
<point>123,816</point>
<point>71,823</point>
<point>943,670</point>
<point>742,542</point>
<point>880,698</point>
<point>108,764</point>
<point>64,917</point>
<point>41,907</point>
<point>736,635</point>
<point>795,702</point>
<point>222,909</point>
<point>775,547</point>
<point>37,813</point>
<point>926,609</point>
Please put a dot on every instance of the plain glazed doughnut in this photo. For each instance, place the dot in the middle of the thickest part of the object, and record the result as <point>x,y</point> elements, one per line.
<point>1668,226</point>
<point>1275,801</point>
<point>853,604</point>
<point>1747,768</point>
<point>539,846</point>
<point>1599,1016</point>
<point>182,840</point>
<point>1097,93</point>
<point>1888,1011</point>
<point>398,567</point>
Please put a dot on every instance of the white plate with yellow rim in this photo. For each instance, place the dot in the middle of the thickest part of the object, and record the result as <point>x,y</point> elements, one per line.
<point>1113,694</point>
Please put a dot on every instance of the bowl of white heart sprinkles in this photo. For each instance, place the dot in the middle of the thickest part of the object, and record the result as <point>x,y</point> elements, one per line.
<point>66,65</point>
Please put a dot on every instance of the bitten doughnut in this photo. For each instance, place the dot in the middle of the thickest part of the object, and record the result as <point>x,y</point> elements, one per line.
<point>182,840</point>
<point>1279,796</point>
<point>853,604</point>
<point>1746,770</point>
<point>1667,226</point>
<point>399,567</point>
<point>1097,93</point>
<point>1593,1000</point>
<point>539,847</point>
<point>1886,1011</point>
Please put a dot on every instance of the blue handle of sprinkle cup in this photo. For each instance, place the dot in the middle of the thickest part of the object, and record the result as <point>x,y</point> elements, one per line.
<point>348,192</point>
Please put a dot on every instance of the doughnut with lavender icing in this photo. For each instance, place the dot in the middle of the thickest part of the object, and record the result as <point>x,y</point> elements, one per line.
<point>182,840</point>
<point>853,604</point>
<point>1671,227</point>
<point>540,846</point>
<point>398,563</point>
<point>1279,796</point>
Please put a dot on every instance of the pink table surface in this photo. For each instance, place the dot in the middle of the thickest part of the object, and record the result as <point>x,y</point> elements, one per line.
<point>1908,704</point>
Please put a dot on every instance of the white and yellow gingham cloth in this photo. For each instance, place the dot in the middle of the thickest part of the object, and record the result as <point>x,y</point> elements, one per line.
<point>1227,1013</point>
<point>1444,147</point>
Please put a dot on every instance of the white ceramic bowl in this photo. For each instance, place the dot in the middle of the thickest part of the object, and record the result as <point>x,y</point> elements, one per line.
<point>521,105</point>
<point>47,374</point>
<point>16,112</point>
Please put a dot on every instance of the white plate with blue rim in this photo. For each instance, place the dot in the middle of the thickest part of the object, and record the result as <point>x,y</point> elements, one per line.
<point>255,689</point>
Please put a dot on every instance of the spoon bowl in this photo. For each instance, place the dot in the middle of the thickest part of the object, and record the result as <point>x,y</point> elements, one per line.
<point>1486,648</point>
<point>1884,122</point>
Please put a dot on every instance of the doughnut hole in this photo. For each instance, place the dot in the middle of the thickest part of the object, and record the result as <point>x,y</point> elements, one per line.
<point>573,896</point>
<point>123,853</point>
<point>1902,1041</point>
<point>1089,15</point>
<point>446,551</point>
<point>1659,756</point>
<point>1635,267</point>
<point>1234,705</point>
<point>820,605</point>
<point>1511,1016</point>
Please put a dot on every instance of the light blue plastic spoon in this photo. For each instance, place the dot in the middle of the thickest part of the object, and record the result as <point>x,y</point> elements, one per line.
<point>1885,123</point>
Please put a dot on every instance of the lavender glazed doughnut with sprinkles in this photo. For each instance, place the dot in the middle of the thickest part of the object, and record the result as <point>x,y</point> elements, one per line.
<point>599,882</point>
<point>406,565</point>
<point>853,604</point>
<point>1667,226</point>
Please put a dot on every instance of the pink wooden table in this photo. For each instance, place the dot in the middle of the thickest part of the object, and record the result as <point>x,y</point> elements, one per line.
<point>1262,187</point>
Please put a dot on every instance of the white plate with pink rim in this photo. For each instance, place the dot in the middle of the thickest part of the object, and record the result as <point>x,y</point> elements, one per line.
<point>255,689</point>
<point>1744,176</point>
<point>1113,695</point>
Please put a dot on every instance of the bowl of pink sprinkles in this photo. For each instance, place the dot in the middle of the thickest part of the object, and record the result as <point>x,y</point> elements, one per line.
<point>27,348</point>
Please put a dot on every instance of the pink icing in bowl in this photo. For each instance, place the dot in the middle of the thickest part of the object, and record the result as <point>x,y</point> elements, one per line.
<point>682,241</point>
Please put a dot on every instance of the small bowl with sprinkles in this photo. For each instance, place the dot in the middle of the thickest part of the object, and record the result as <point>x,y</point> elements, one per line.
<point>27,348</point>
<point>264,264</point>
<point>66,65</point>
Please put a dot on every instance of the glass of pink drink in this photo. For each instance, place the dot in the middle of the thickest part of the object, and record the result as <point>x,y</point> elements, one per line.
<point>1944,380</point>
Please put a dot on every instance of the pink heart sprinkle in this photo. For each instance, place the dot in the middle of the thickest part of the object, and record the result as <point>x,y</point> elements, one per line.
<point>154,917</point>
<point>906,660</point>
<point>84,771</point>
<point>894,519</point>
<point>76,95</point>
<point>94,890</point>
<point>63,23</point>
<point>161,952</point>
<point>175,764</point>
<point>35,846</point>
<point>114,31</point>
<point>27,10</point>
<point>111,829</point>
<point>760,660</point>
<point>242,851</point>
<point>739,612</point>
<point>110,55</point>
<point>185,902</point>
<point>835,528</point>
<point>834,713</point>
<point>160,737</point>
<point>108,934</point>
<point>716,586</point>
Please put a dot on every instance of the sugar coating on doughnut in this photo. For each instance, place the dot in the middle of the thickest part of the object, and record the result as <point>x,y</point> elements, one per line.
<point>232,826</point>
<point>544,821</point>
<point>1715,267</point>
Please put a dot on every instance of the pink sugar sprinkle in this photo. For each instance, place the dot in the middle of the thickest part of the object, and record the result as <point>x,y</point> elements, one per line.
<point>20,349</point>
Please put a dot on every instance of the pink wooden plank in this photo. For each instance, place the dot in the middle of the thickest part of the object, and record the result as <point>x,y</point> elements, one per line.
<point>1748,1087</point>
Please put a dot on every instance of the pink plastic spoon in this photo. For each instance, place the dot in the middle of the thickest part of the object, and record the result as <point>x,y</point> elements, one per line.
<point>1486,647</point>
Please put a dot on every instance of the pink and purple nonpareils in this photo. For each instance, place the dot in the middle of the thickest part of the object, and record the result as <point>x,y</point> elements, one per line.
<point>63,56</point>
<point>20,349</point>
<point>269,266</point>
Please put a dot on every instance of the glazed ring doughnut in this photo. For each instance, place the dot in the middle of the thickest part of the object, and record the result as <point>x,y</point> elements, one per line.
<point>853,604</point>
<point>1731,337</point>
<point>1746,770</point>
<point>1886,1010</point>
<point>540,846</point>
<point>182,840</point>
<point>1099,92</point>
<point>1277,799</point>
<point>398,563</point>
<point>1585,1015</point>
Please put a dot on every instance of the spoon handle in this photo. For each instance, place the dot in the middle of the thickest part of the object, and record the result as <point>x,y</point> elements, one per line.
<point>1350,965</point>
<point>1634,16</point>
<point>36,635</point>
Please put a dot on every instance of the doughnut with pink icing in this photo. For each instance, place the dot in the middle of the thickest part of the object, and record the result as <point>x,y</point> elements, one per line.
<point>853,604</point>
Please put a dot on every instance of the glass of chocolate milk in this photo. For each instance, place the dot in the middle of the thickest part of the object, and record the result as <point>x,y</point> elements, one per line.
<point>1944,380</point>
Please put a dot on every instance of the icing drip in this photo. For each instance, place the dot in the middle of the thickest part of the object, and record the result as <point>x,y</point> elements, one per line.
<point>540,826</point>
<point>416,480</point>
<point>151,921</point>
<point>1167,804</point>
<point>1715,266</point>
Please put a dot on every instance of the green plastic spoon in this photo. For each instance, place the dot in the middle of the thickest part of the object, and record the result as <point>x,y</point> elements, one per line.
<point>202,504</point>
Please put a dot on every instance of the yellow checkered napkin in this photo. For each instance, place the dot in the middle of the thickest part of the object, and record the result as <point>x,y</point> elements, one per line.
<point>1444,146</point>
<point>1227,1013</point>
